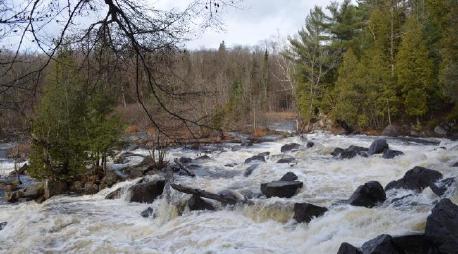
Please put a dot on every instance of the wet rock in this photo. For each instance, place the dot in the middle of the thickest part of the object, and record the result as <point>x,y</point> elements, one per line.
<point>147,212</point>
<point>305,212</point>
<point>287,160</point>
<point>378,146</point>
<point>3,225</point>
<point>382,244</point>
<point>141,169</point>
<point>414,244</point>
<point>185,160</point>
<point>416,178</point>
<point>250,170</point>
<point>203,157</point>
<point>231,165</point>
<point>442,226</point>
<point>198,203</point>
<point>390,154</point>
<point>368,195</point>
<point>282,189</point>
<point>337,151</point>
<point>310,144</point>
<point>346,248</point>
<point>440,187</point>
<point>236,148</point>
<point>231,197</point>
<point>350,152</point>
<point>455,165</point>
<point>54,187</point>
<point>256,158</point>
<point>290,176</point>
<point>114,194</point>
<point>146,192</point>
<point>265,154</point>
<point>31,192</point>
<point>289,147</point>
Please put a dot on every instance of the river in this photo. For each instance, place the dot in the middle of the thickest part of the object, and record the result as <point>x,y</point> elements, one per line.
<point>92,224</point>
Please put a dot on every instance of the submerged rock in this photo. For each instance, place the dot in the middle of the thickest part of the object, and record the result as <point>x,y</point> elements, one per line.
<point>416,179</point>
<point>250,169</point>
<point>3,225</point>
<point>282,189</point>
<point>440,187</point>
<point>346,248</point>
<point>368,195</point>
<point>390,154</point>
<point>147,212</point>
<point>382,244</point>
<point>350,152</point>
<point>455,165</point>
<point>256,158</point>
<point>287,160</point>
<point>146,192</point>
<point>442,226</point>
<point>289,147</point>
<point>305,212</point>
<point>290,176</point>
<point>185,160</point>
<point>310,144</point>
<point>378,146</point>
<point>198,203</point>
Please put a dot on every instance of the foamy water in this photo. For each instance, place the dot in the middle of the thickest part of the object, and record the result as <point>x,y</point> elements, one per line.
<point>91,224</point>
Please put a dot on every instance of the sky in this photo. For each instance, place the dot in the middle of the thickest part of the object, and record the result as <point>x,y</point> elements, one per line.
<point>254,21</point>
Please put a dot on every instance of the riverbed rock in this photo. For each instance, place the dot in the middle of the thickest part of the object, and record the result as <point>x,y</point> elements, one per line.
<point>250,169</point>
<point>346,248</point>
<point>185,160</point>
<point>256,158</point>
<point>416,179</point>
<point>350,152</point>
<point>198,203</point>
<point>382,244</point>
<point>289,147</point>
<point>140,169</point>
<point>3,225</point>
<point>310,144</point>
<point>368,195</point>
<point>440,187</point>
<point>305,212</point>
<point>414,244</point>
<point>290,176</point>
<point>378,146</point>
<point>54,187</point>
<point>286,160</point>
<point>146,192</point>
<point>442,226</point>
<point>147,212</point>
<point>231,197</point>
<point>282,189</point>
<point>390,154</point>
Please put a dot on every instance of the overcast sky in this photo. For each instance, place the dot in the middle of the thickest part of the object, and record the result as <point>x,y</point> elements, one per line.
<point>255,21</point>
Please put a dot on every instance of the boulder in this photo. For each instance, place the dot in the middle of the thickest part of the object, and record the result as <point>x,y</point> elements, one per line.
<point>416,179</point>
<point>250,170</point>
<point>3,225</point>
<point>198,203</point>
<point>256,158</point>
<point>382,244</point>
<point>368,195</point>
<point>114,194</point>
<point>54,187</point>
<point>140,169</point>
<point>305,212</point>
<point>203,158</point>
<point>147,212</point>
<point>310,144</point>
<point>185,160</point>
<point>350,152</point>
<point>455,165</point>
<point>442,226</point>
<point>32,192</point>
<point>231,197</point>
<point>290,176</point>
<point>146,192</point>
<point>378,146</point>
<point>282,189</point>
<point>390,154</point>
<point>346,248</point>
<point>414,244</point>
<point>289,147</point>
<point>440,187</point>
<point>286,160</point>
<point>264,154</point>
<point>337,151</point>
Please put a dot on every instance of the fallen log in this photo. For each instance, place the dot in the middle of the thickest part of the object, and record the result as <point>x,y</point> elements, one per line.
<point>203,193</point>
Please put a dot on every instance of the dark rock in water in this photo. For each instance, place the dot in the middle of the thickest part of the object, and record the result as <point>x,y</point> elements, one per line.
<point>256,158</point>
<point>282,189</point>
<point>350,152</point>
<point>290,176</point>
<point>231,165</point>
<point>236,148</point>
<point>146,192</point>
<point>185,160</point>
<point>287,160</point>
<point>264,154</point>
<point>54,187</point>
<point>230,196</point>
<point>290,147</point>
<point>250,170</point>
<point>368,195</point>
<point>198,203</point>
<point>414,244</point>
<point>390,154</point>
<point>416,178</point>
<point>141,169</point>
<point>310,144</point>
<point>440,187</point>
<point>203,158</point>
<point>346,248</point>
<point>114,194</point>
<point>378,146</point>
<point>304,212</point>
<point>3,225</point>
<point>31,192</point>
<point>455,165</point>
<point>337,151</point>
<point>442,226</point>
<point>147,212</point>
<point>382,244</point>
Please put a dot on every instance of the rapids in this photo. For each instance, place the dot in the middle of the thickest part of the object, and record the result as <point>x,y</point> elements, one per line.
<point>92,224</point>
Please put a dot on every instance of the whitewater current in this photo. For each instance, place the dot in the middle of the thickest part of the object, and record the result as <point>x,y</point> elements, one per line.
<point>92,224</point>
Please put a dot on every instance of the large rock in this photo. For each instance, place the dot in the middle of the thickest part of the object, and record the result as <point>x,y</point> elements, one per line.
<point>368,195</point>
<point>442,226</point>
<point>390,154</point>
<point>305,212</point>
<point>286,160</point>
<point>147,212</point>
<point>414,244</point>
<point>290,147</point>
<point>378,146</point>
<point>289,176</point>
<point>3,225</point>
<point>250,169</point>
<point>198,203</point>
<point>350,152</point>
<point>282,189</point>
<point>382,244</point>
<point>146,192</point>
<point>455,165</point>
<point>140,169</point>
<point>32,192</point>
<point>231,197</point>
<point>440,187</point>
<point>416,179</point>
<point>55,187</point>
<point>346,248</point>
<point>258,157</point>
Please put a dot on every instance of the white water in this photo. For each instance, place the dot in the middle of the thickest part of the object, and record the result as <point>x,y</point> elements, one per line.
<point>91,224</point>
